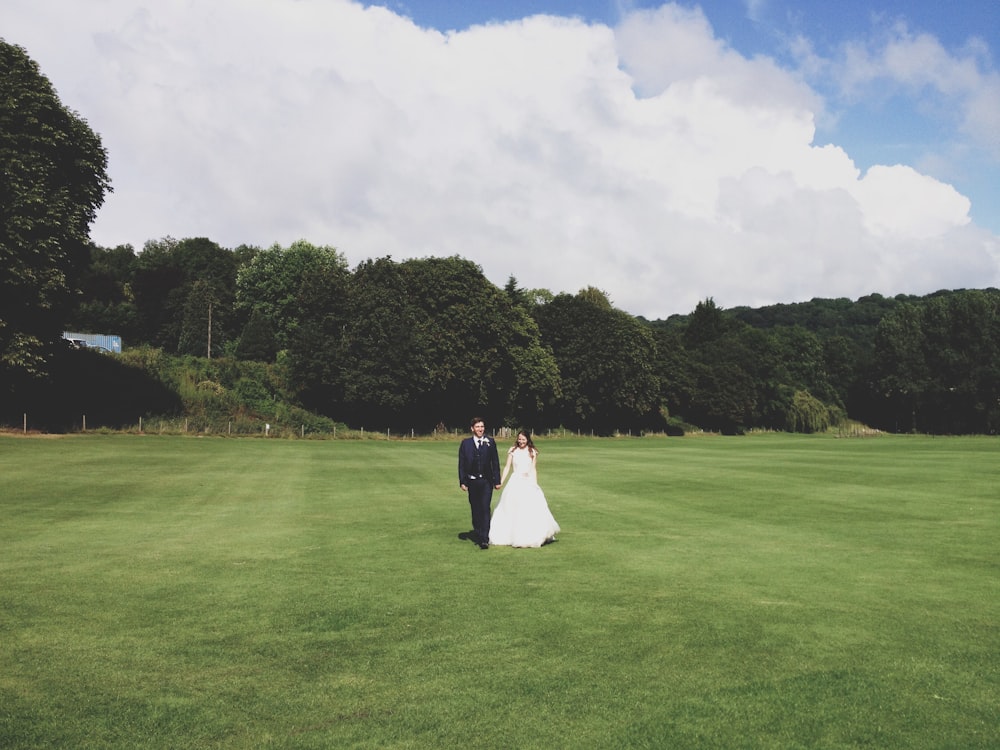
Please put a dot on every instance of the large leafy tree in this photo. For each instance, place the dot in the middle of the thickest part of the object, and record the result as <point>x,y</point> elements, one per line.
<point>727,378</point>
<point>937,364</point>
<point>901,373</point>
<point>962,342</point>
<point>734,386</point>
<point>200,325</point>
<point>273,282</point>
<point>107,304</point>
<point>174,283</point>
<point>54,179</point>
<point>322,305</point>
<point>432,341</point>
<point>257,341</point>
<point>675,371</point>
<point>606,362</point>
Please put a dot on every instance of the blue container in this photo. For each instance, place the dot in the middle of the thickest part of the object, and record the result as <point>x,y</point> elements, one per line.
<point>101,341</point>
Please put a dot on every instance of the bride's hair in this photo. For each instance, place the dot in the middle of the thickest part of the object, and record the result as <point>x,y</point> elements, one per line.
<point>530,445</point>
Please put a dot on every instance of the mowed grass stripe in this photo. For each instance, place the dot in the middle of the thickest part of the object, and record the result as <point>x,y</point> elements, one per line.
<point>768,591</point>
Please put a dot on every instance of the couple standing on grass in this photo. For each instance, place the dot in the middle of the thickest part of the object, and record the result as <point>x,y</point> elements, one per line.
<point>522,517</point>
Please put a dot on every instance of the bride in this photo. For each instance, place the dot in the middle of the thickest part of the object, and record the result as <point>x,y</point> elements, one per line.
<point>522,517</point>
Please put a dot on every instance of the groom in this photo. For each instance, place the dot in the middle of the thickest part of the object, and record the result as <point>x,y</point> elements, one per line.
<point>479,475</point>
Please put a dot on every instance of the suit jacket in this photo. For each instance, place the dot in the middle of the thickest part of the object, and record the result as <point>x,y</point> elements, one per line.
<point>485,465</point>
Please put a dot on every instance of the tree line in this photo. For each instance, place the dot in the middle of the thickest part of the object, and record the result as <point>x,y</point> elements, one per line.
<point>421,343</point>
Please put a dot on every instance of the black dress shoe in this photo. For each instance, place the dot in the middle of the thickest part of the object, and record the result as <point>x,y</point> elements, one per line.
<point>484,545</point>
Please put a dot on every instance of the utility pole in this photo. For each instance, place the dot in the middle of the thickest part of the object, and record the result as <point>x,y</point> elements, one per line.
<point>210,329</point>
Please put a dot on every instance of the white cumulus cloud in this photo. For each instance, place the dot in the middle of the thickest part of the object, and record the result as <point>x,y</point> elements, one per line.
<point>649,160</point>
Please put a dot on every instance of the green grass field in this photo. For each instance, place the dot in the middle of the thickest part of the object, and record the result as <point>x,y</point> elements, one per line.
<point>768,591</point>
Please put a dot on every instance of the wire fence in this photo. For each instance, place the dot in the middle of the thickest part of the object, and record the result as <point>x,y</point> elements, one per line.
<point>325,430</point>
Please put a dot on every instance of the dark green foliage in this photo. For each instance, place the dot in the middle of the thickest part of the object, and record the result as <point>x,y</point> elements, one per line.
<point>825,317</point>
<point>707,324</point>
<point>937,365</point>
<point>322,310</point>
<point>424,342</point>
<point>807,413</point>
<point>432,341</point>
<point>52,181</point>
<point>907,363</point>
<point>257,341</point>
<point>415,344</point>
<point>285,285</point>
<point>108,390</point>
<point>106,303</point>
<point>724,375</point>
<point>606,363</point>
<point>516,294</point>
<point>201,329</point>
<point>226,393</point>
<point>173,283</point>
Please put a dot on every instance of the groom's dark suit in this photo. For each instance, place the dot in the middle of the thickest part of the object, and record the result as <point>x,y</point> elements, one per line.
<point>479,470</point>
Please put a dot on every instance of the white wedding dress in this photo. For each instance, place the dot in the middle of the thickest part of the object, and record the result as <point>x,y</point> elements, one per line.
<point>522,517</point>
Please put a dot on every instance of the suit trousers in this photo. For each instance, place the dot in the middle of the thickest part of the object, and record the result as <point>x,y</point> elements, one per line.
<point>480,498</point>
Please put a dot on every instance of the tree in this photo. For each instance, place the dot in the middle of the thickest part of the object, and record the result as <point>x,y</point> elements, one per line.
<point>707,323</point>
<point>54,179</point>
<point>674,369</point>
<point>157,283</point>
<point>844,361</point>
<point>724,397</point>
<point>315,347</point>
<point>432,341</point>
<point>901,367</point>
<point>166,274</point>
<point>722,374</point>
<point>257,340</point>
<point>808,414</point>
<point>800,354</point>
<point>605,359</point>
<point>271,283</point>
<point>200,332</point>
<point>517,295</point>
<point>106,303</point>
<point>962,350</point>
<point>938,361</point>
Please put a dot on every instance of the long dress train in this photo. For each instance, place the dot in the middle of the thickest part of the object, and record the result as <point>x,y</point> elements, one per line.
<point>522,517</point>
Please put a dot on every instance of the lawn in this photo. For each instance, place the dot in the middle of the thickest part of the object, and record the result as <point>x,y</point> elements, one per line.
<point>767,591</point>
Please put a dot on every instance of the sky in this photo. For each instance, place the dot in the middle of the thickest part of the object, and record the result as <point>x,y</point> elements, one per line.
<point>748,151</point>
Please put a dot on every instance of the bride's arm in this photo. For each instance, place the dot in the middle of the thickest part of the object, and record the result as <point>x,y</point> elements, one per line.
<point>506,468</point>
